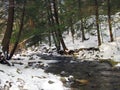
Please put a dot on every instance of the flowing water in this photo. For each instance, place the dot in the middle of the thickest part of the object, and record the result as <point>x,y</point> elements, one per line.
<point>97,75</point>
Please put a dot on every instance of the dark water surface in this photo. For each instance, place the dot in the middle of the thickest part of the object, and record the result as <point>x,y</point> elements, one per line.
<point>101,76</point>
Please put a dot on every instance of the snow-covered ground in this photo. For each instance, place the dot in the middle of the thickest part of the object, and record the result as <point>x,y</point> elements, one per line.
<point>108,50</point>
<point>26,77</point>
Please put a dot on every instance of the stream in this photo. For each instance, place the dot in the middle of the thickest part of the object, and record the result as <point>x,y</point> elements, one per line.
<point>97,75</point>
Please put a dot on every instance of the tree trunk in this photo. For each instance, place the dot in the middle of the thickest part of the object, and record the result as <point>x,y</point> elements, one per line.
<point>9,29</point>
<point>49,37</point>
<point>97,22</point>
<point>72,28</point>
<point>48,22</point>
<point>51,23</point>
<point>20,31</point>
<point>58,25</point>
<point>82,29</point>
<point>109,21</point>
<point>81,18</point>
<point>72,32</point>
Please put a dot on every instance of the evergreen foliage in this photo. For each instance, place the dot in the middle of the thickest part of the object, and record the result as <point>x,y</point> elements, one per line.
<point>46,18</point>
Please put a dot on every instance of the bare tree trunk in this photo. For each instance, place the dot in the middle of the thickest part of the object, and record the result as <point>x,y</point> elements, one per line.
<point>97,22</point>
<point>72,28</point>
<point>9,29</point>
<point>49,37</point>
<point>81,17</point>
<point>109,21</point>
<point>20,31</point>
<point>58,25</point>
<point>73,32</point>
<point>49,21</point>
<point>82,29</point>
<point>52,24</point>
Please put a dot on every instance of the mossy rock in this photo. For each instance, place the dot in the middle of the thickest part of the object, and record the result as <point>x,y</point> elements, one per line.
<point>109,61</point>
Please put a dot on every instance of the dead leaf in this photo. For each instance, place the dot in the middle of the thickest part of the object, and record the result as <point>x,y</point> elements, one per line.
<point>82,81</point>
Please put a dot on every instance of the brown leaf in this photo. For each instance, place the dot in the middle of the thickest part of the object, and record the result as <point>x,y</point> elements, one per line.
<point>82,81</point>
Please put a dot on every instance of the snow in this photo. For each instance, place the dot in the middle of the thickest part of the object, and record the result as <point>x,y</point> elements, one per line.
<point>28,78</point>
<point>25,77</point>
<point>108,50</point>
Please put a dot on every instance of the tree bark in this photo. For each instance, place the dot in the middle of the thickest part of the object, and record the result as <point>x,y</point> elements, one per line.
<point>72,28</point>
<point>9,29</point>
<point>109,21</point>
<point>20,31</point>
<point>81,17</point>
<point>51,23</point>
<point>97,22</point>
<point>58,25</point>
<point>82,29</point>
